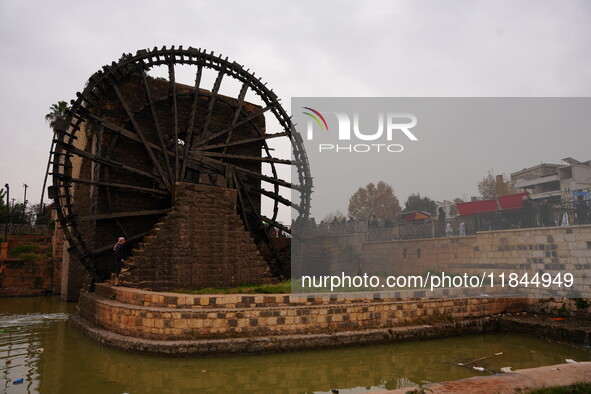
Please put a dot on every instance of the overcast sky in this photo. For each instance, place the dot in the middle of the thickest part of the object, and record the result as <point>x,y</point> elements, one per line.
<point>302,49</point>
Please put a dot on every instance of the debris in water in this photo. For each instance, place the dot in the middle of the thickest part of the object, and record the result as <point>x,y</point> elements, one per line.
<point>570,361</point>
<point>40,350</point>
<point>479,369</point>
<point>498,354</point>
<point>2,330</point>
<point>506,369</point>
<point>18,381</point>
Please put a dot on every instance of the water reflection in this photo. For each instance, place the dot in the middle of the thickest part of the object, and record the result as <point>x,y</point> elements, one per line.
<point>71,363</point>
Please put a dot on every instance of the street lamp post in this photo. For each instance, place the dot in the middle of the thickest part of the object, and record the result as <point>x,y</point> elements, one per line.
<point>7,212</point>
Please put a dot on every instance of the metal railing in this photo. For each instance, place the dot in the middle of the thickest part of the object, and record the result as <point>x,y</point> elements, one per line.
<point>535,215</point>
<point>24,229</point>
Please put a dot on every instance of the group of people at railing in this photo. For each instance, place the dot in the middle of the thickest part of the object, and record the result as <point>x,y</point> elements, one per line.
<point>531,214</point>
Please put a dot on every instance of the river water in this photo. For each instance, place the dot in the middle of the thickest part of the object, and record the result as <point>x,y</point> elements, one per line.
<point>38,346</point>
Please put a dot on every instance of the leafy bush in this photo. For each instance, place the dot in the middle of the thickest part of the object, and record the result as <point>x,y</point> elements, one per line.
<point>23,248</point>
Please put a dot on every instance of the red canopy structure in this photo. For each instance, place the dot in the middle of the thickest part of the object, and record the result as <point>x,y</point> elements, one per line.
<point>511,201</point>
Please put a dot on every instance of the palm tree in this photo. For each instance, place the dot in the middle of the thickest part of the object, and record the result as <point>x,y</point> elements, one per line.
<point>58,113</point>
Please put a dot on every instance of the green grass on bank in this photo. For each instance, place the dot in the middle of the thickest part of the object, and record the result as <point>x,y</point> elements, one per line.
<point>579,388</point>
<point>286,287</point>
<point>272,288</point>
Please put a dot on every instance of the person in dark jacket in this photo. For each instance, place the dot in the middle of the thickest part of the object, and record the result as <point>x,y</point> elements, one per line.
<point>441,222</point>
<point>119,258</point>
<point>528,218</point>
<point>582,210</point>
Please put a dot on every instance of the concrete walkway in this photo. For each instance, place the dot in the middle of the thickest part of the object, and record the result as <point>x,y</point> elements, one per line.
<point>517,381</point>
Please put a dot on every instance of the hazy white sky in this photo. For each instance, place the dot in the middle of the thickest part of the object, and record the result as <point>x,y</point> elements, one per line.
<point>301,48</point>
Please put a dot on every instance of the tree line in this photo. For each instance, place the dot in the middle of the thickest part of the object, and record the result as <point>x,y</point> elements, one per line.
<point>379,201</point>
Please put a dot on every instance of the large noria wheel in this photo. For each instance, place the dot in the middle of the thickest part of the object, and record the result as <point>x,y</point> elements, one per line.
<point>136,130</point>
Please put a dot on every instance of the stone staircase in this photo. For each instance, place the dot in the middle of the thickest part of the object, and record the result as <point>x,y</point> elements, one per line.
<point>201,242</point>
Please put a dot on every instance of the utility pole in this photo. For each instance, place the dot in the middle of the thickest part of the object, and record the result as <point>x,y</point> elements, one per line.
<point>25,200</point>
<point>7,212</point>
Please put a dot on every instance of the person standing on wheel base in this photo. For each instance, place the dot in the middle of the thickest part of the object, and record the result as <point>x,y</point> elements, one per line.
<point>119,258</point>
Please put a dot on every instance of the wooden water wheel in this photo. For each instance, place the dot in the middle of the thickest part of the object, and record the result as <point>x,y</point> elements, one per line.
<point>130,136</point>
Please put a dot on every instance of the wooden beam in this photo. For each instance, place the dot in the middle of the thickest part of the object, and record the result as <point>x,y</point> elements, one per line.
<point>114,185</point>
<point>245,157</point>
<point>245,141</point>
<point>175,118</point>
<point>273,196</point>
<point>216,87</point>
<point>115,215</point>
<point>156,122</point>
<point>140,134</point>
<point>238,124</point>
<point>190,127</point>
<point>102,160</point>
<point>276,224</point>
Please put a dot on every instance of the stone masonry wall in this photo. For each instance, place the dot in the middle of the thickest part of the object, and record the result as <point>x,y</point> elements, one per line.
<point>201,242</point>
<point>29,273</point>
<point>547,249</point>
<point>170,316</point>
<point>57,247</point>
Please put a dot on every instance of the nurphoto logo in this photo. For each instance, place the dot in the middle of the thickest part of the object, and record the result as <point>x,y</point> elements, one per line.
<point>389,126</point>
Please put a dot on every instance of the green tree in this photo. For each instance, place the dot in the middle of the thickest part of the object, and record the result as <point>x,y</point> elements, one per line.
<point>417,203</point>
<point>2,203</point>
<point>376,201</point>
<point>18,214</point>
<point>57,114</point>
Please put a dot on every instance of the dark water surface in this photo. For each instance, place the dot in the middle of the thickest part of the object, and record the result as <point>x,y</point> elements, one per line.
<point>38,346</point>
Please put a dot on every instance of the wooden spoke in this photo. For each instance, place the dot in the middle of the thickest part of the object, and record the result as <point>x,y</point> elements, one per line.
<point>115,185</point>
<point>175,117</point>
<point>105,161</point>
<point>247,158</point>
<point>279,198</point>
<point>212,99</point>
<point>143,139</point>
<point>244,141</point>
<point>190,128</point>
<point>116,215</point>
<point>274,181</point>
<point>237,111</point>
<point>241,201</point>
<point>276,224</point>
<point>248,119</point>
<point>156,122</point>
